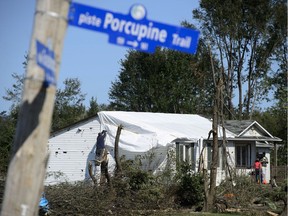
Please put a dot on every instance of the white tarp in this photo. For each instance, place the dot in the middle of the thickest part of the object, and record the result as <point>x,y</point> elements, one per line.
<point>144,130</point>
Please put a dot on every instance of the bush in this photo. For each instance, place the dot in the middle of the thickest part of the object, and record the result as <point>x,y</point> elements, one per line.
<point>189,189</point>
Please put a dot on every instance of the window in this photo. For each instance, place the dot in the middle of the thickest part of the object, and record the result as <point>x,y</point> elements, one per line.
<point>242,155</point>
<point>185,153</point>
<point>209,154</point>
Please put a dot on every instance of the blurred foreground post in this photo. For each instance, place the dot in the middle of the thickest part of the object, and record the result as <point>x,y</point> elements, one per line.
<point>27,167</point>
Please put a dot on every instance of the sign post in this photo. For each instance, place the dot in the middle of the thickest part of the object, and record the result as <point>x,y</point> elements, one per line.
<point>27,167</point>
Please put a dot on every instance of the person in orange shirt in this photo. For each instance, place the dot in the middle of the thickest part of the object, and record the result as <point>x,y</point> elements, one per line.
<point>258,169</point>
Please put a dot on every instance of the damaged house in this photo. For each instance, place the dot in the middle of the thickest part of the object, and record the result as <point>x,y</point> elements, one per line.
<point>152,136</point>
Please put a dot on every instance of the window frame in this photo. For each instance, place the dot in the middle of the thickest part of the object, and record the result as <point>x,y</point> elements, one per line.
<point>185,150</point>
<point>209,148</point>
<point>242,155</point>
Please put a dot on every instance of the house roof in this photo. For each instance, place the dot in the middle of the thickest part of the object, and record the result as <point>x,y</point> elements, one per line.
<point>144,130</point>
<point>237,126</point>
<point>164,128</point>
<point>73,125</point>
<point>249,129</point>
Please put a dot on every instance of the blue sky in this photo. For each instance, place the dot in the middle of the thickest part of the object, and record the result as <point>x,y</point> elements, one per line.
<point>86,54</point>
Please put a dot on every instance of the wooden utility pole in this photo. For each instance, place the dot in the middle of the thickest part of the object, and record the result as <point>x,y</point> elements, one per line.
<point>27,167</point>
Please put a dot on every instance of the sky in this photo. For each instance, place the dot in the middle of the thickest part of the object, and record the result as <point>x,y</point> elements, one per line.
<point>86,55</point>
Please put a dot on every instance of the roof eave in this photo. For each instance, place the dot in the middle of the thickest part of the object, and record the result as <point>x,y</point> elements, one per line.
<point>269,139</point>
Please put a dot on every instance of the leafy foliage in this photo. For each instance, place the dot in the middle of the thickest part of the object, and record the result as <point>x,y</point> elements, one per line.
<point>69,106</point>
<point>7,131</point>
<point>245,36</point>
<point>190,189</point>
<point>68,109</point>
<point>274,120</point>
<point>93,108</point>
<point>166,81</point>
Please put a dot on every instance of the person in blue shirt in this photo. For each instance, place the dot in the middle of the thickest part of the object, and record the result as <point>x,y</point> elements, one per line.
<point>101,159</point>
<point>100,147</point>
<point>43,205</point>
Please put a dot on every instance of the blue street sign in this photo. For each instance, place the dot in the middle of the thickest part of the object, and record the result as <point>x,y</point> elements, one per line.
<point>45,59</point>
<point>134,30</point>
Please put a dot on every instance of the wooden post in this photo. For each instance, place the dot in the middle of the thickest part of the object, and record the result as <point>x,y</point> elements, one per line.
<point>275,154</point>
<point>27,167</point>
<point>116,150</point>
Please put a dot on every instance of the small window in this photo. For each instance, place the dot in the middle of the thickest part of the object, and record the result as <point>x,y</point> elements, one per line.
<point>242,155</point>
<point>209,154</point>
<point>185,153</point>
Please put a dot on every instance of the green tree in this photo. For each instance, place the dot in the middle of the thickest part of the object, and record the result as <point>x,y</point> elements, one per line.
<point>243,36</point>
<point>166,81</point>
<point>189,189</point>
<point>279,77</point>
<point>7,131</point>
<point>274,120</point>
<point>93,108</point>
<point>69,106</point>
<point>68,109</point>
<point>68,103</point>
<point>15,93</point>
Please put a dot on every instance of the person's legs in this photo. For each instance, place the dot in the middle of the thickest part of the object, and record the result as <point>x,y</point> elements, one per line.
<point>90,171</point>
<point>257,175</point>
<point>99,155</point>
<point>104,172</point>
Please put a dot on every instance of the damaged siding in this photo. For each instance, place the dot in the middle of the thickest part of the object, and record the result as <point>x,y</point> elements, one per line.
<point>70,150</point>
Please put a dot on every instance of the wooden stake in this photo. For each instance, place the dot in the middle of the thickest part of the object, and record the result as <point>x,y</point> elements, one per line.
<point>116,150</point>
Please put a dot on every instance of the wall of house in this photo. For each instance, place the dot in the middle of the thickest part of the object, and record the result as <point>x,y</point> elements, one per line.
<point>70,150</point>
<point>251,158</point>
<point>221,174</point>
<point>252,132</point>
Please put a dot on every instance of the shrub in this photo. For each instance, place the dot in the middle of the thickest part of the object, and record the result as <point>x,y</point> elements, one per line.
<point>189,190</point>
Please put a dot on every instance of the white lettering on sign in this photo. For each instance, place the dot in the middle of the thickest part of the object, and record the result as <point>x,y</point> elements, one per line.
<point>46,60</point>
<point>89,20</point>
<point>135,29</point>
<point>24,209</point>
<point>180,41</point>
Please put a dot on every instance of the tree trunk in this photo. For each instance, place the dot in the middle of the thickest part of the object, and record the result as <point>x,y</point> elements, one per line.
<point>224,141</point>
<point>229,80</point>
<point>213,171</point>
<point>240,104</point>
<point>116,152</point>
<point>210,195</point>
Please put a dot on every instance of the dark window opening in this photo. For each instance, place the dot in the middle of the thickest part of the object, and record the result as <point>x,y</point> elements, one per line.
<point>185,153</point>
<point>209,154</point>
<point>242,155</point>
